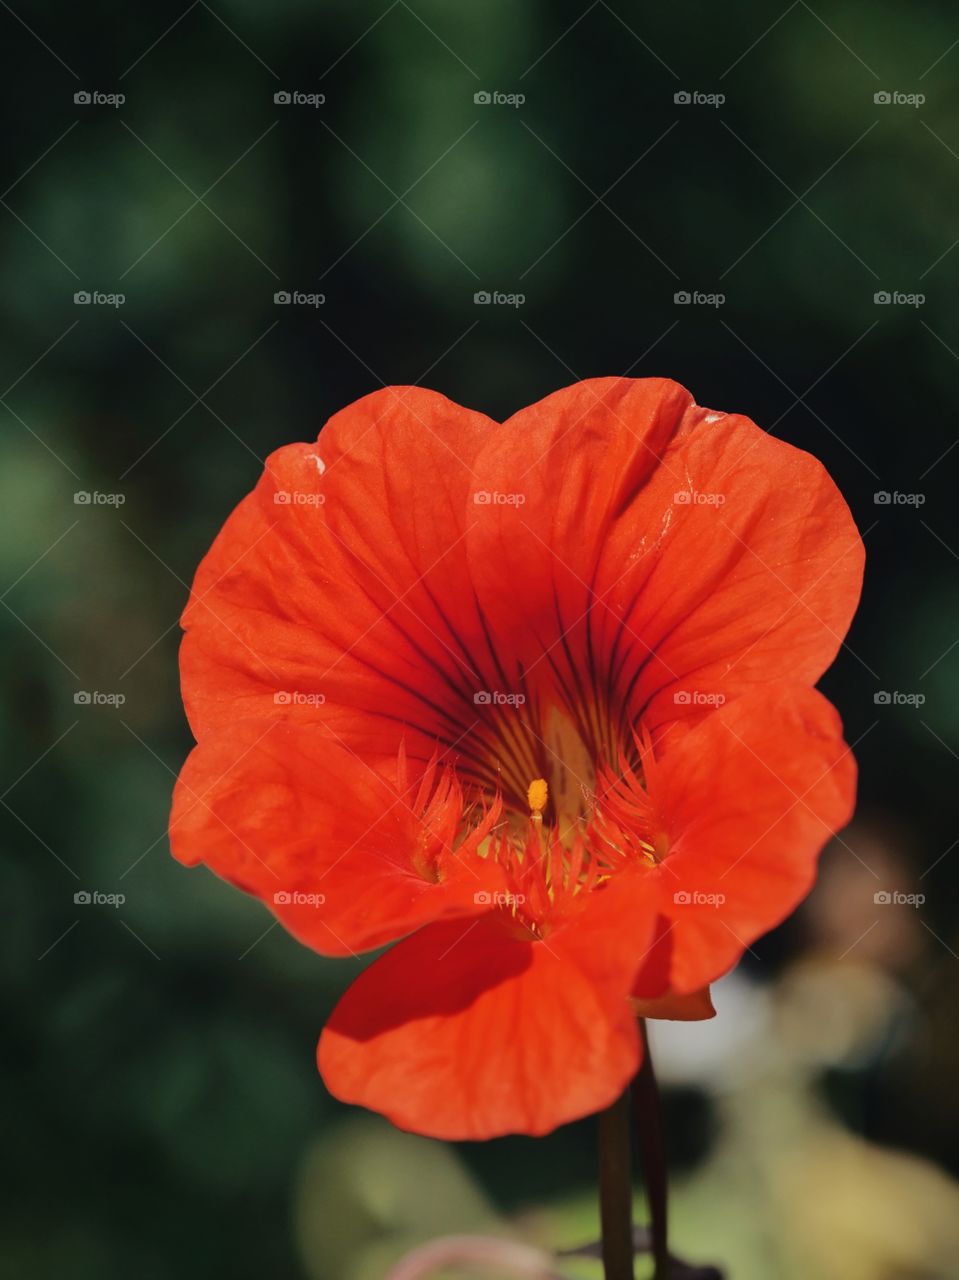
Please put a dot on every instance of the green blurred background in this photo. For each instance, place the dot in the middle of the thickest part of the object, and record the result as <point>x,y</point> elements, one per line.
<point>164,1117</point>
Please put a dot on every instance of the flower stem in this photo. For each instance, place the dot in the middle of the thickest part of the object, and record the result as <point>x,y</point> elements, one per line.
<point>616,1190</point>
<point>649,1113</point>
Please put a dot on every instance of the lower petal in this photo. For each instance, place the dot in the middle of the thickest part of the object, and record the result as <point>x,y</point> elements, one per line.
<point>468,1030</point>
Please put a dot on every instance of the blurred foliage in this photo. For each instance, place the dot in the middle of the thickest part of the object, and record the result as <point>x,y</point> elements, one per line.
<point>165,1116</point>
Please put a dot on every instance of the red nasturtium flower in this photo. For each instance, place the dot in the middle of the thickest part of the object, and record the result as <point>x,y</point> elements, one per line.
<point>532,701</point>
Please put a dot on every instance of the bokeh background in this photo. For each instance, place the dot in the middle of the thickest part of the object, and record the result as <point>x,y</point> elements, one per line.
<point>164,1117</point>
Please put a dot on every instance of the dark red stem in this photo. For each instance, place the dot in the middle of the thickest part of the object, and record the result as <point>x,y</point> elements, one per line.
<point>649,1116</point>
<point>616,1190</point>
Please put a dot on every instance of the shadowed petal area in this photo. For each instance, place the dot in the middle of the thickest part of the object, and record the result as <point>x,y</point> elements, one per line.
<point>346,858</point>
<point>471,1030</point>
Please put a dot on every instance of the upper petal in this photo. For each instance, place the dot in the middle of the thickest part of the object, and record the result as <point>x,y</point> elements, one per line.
<point>340,583</point>
<point>755,577</point>
<point>562,476</point>
<point>422,557</point>
<point>648,551</point>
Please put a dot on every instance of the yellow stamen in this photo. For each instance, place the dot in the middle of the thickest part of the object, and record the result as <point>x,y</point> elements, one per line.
<point>537,793</point>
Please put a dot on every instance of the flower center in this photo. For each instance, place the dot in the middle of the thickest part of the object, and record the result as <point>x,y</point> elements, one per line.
<point>549,868</point>
<point>546,835</point>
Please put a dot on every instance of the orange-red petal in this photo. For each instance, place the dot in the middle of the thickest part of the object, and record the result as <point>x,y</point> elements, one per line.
<point>649,551</point>
<point>428,555</point>
<point>746,801</point>
<point>471,1030</point>
<point>339,852</point>
<point>340,584</point>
